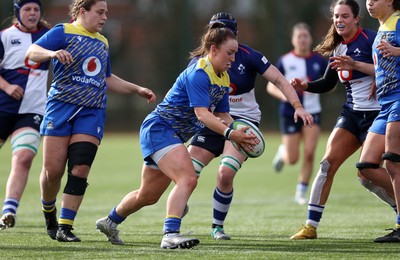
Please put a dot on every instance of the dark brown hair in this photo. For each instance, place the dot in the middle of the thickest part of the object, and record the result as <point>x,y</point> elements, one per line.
<point>215,33</point>
<point>332,39</point>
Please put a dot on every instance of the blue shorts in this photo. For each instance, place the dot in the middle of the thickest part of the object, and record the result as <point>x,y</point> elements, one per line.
<point>356,122</point>
<point>288,126</point>
<point>63,119</point>
<point>155,134</point>
<point>212,141</point>
<point>9,123</point>
<point>389,113</point>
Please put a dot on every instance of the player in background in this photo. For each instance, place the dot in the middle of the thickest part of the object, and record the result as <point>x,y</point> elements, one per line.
<point>74,119</point>
<point>307,65</point>
<point>23,87</point>
<point>383,141</point>
<point>350,48</point>
<point>207,145</point>
<point>198,98</point>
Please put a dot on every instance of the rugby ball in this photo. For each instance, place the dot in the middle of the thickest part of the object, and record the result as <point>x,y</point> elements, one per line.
<point>258,146</point>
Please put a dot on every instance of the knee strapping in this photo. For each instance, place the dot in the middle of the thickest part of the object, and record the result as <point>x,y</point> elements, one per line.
<point>26,139</point>
<point>378,191</point>
<point>198,166</point>
<point>75,185</point>
<point>81,153</point>
<point>393,157</point>
<point>366,165</point>
<point>231,162</point>
<point>319,182</point>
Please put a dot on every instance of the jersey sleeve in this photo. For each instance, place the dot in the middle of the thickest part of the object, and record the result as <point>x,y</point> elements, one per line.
<point>197,86</point>
<point>259,62</point>
<point>53,39</point>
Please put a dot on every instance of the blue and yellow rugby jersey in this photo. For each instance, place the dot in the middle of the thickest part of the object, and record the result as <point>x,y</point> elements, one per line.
<point>387,69</point>
<point>82,82</point>
<point>197,86</point>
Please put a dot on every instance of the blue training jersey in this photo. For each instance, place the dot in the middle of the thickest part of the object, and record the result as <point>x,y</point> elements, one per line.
<point>197,86</point>
<point>82,82</point>
<point>242,73</point>
<point>307,69</point>
<point>18,70</point>
<point>387,69</point>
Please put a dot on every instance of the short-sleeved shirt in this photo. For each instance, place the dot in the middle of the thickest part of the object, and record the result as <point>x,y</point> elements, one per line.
<point>197,86</point>
<point>16,69</point>
<point>307,69</point>
<point>82,82</point>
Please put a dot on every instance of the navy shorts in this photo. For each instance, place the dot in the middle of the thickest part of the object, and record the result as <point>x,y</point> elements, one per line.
<point>356,122</point>
<point>63,119</point>
<point>288,126</point>
<point>211,141</point>
<point>11,122</point>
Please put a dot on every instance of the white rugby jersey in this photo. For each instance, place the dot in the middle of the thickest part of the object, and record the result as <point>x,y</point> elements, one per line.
<point>15,69</point>
<point>307,69</point>
<point>357,83</point>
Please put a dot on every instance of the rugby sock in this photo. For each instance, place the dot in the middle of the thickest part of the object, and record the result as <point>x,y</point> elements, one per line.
<point>10,205</point>
<point>113,215</point>
<point>67,217</point>
<point>302,187</point>
<point>172,224</point>
<point>222,202</point>
<point>48,206</point>
<point>314,214</point>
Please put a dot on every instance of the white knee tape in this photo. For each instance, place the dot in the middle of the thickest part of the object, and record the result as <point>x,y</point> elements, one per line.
<point>198,166</point>
<point>319,182</point>
<point>231,162</point>
<point>378,191</point>
<point>26,139</point>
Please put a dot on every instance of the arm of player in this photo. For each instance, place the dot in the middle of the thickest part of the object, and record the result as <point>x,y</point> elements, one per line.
<point>12,90</point>
<point>347,63</point>
<point>37,53</point>
<point>275,92</point>
<point>121,86</point>
<point>273,75</point>
<point>208,119</point>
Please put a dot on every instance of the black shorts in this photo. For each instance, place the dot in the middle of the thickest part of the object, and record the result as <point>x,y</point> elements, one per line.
<point>211,141</point>
<point>288,126</point>
<point>356,122</point>
<point>11,122</point>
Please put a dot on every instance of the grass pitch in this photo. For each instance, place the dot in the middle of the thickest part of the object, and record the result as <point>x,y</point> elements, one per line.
<point>262,217</point>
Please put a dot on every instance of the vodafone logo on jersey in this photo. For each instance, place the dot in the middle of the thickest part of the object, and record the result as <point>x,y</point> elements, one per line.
<point>91,66</point>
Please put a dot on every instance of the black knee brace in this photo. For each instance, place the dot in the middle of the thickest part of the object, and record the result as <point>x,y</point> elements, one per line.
<point>75,185</point>
<point>366,165</point>
<point>80,153</point>
<point>393,157</point>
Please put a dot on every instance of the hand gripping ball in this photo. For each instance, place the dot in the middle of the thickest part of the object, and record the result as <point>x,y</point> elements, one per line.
<point>258,146</point>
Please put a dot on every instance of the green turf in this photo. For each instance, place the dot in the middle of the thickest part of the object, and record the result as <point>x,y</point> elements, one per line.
<point>262,217</point>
